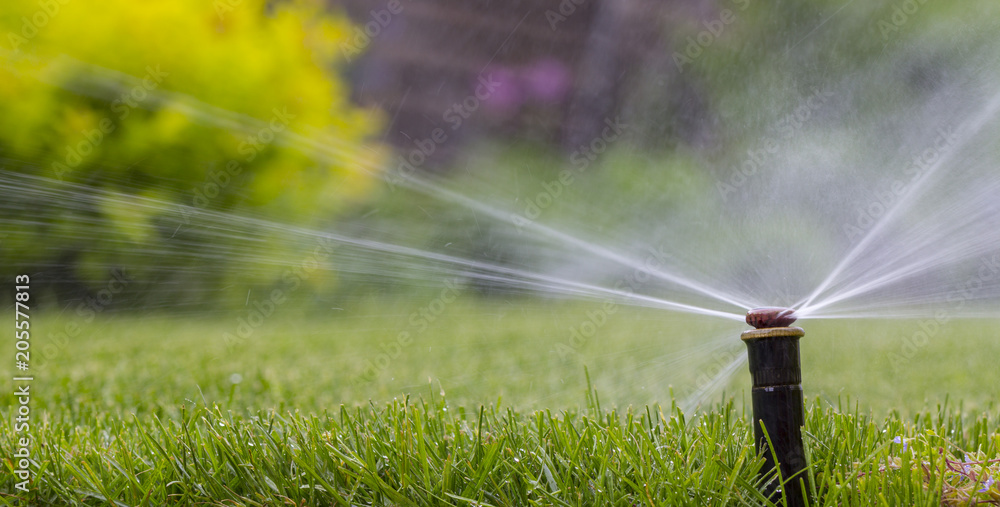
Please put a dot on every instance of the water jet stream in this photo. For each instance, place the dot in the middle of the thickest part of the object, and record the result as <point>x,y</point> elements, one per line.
<point>966,134</point>
<point>473,269</point>
<point>965,233</point>
<point>99,77</point>
<point>696,399</point>
<point>589,247</point>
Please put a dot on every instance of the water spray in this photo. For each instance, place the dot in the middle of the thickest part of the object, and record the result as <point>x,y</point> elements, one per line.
<point>773,354</point>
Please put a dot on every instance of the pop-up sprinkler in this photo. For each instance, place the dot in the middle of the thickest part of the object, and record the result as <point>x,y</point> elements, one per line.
<point>773,354</point>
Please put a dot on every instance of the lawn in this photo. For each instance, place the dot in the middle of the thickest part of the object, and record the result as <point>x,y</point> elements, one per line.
<point>488,402</point>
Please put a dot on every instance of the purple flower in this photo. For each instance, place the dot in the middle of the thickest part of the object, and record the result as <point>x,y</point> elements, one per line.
<point>986,485</point>
<point>503,95</point>
<point>547,80</point>
<point>899,440</point>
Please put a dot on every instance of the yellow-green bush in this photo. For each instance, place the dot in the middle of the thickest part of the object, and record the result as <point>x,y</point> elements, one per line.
<point>234,105</point>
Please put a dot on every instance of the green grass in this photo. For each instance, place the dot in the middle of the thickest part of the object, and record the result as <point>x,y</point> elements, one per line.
<point>489,405</point>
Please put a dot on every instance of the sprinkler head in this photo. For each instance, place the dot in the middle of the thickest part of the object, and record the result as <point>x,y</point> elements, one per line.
<point>778,405</point>
<point>771,316</point>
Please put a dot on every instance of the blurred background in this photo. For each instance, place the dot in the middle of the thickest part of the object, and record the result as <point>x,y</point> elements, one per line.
<point>201,157</point>
<point>306,113</point>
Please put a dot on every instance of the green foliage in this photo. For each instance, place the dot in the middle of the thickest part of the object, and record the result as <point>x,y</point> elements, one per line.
<point>773,54</point>
<point>189,105</point>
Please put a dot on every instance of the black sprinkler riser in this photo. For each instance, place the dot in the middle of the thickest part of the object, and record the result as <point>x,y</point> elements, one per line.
<point>774,361</point>
<point>773,356</point>
<point>780,410</point>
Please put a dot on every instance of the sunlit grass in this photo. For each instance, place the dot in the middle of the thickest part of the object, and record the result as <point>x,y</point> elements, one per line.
<point>489,405</point>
